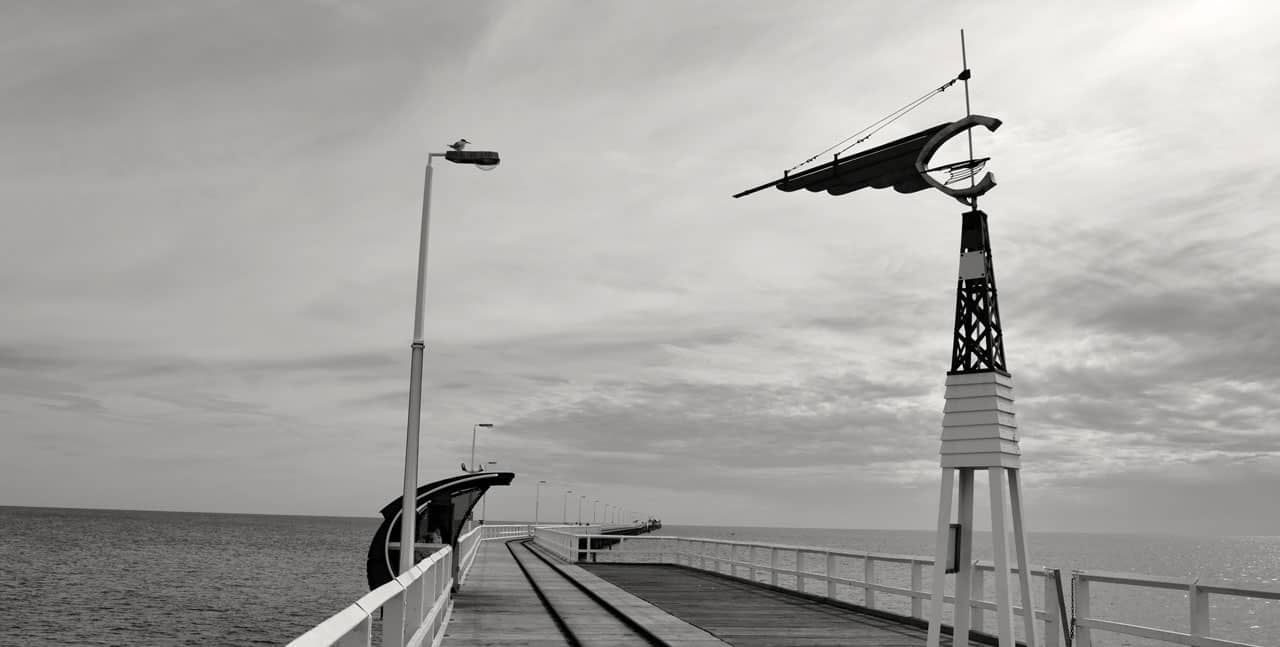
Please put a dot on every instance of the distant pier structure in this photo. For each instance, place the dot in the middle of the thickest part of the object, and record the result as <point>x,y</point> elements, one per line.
<point>978,426</point>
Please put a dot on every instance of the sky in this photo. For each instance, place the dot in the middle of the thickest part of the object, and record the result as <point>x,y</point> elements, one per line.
<point>211,217</point>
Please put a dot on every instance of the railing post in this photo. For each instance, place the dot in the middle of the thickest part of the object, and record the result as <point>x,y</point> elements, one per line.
<point>831,576</point>
<point>799,570</point>
<point>1199,610</point>
<point>917,581</point>
<point>1052,628</point>
<point>773,566</point>
<point>437,592</point>
<point>360,636</point>
<point>413,605</point>
<point>869,576</point>
<point>753,562</point>
<point>1081,600</point>
<point>977,615</point>
<point>393,621</point>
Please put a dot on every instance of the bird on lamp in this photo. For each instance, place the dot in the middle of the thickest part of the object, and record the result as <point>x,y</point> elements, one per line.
<point>459,145</point>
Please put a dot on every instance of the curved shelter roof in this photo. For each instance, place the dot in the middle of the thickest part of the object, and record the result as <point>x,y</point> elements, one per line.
<point>443,506</point>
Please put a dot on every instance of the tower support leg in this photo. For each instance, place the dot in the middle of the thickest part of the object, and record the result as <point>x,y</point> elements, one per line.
<point>964,576</point>
<point>939,578</point>
<point>1004,613</point>
<point>1020,547</point>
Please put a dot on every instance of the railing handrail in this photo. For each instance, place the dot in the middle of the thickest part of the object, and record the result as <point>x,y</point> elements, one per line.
<point>402,623</point>
<point>981,564</point>
<point>1197,593</point>
<point>1163,582</point>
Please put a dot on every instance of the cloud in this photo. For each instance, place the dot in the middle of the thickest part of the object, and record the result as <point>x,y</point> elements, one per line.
<point>211,263</point>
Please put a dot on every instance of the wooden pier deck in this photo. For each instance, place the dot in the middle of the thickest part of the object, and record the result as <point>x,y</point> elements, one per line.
<point>498,606</point>
<point>513,596</point>
<point>747,615</point>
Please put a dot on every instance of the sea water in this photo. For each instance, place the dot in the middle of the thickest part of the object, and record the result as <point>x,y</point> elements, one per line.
<point>110,577</point>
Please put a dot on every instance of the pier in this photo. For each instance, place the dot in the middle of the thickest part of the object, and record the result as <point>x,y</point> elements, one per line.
<point>614,585</point>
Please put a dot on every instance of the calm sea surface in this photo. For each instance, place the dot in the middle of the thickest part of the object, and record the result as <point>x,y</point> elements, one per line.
<point>109,577</point>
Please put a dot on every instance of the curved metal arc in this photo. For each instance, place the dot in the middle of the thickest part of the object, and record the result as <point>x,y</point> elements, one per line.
<point>931,147</point>
<point>418,507</point>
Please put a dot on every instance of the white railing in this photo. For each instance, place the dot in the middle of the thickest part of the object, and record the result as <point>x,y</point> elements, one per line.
<point>412,605</point>
<point>564,541</point>
<point>557,541</point>
<point>506,531</point>
<point>1197,593</point>
<point>468,546</point>
<point>764,563</point>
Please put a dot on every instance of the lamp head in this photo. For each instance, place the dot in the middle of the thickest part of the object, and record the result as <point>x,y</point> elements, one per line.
<point>483,160</point>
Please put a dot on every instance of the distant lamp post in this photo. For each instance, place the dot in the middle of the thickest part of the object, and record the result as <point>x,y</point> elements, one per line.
<point>581,498</point>
<point>593,511</point>
<point>537,501</point>
<point>564,511</point>
<point>484,500</point>
<point>474,468</point>
<point>484,160</point>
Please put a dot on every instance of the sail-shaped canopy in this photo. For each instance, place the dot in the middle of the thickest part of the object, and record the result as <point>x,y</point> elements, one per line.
<point>888,165</point>
<point>443,507</point>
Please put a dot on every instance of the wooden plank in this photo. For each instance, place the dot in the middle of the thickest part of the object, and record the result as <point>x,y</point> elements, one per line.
<point>586,620</point>
<point>498,606</point>
<point>744,614</point>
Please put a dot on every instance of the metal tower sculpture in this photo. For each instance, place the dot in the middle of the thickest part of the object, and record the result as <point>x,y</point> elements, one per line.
<point>978,427</point>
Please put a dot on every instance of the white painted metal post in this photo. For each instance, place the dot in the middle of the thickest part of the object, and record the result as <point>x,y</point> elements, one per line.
<point>409,501</point>
<point>1052,628</point>
<point>393,621</point>
<point>413,607</point>
<point>773,566</point>
<point>977,616</point>
<point>869,576</point>
<point>1199,610</point>
<point>360,636</point>
<point>917,582</point>
<point>1004,610</point>
<point>1080,601</point>
<point>1020,550</point>
<point>940,558</point>
<point>962,612</point>
<point>831,576</point>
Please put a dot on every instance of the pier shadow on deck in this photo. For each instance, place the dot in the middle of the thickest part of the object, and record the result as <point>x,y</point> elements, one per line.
<point>743,614</point>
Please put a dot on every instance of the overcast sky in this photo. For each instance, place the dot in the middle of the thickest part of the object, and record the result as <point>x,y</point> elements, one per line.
<point>210,235</point>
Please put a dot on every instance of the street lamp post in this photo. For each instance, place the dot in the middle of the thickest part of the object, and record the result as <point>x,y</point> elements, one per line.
<point>484,500</point>
<point>581,498</point>
<point>486,425</point>
<point>537,501</point>
<point>593,511</point>
<point>409,498</point>
<point>564,512</point>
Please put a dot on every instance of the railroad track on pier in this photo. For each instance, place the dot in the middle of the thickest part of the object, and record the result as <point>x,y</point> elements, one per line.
<point>575,609</point>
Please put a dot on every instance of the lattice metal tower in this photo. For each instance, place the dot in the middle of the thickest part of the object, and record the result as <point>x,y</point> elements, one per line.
<point>979,431</point>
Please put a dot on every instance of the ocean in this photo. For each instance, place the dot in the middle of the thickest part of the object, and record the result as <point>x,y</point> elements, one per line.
<point>111,577</point>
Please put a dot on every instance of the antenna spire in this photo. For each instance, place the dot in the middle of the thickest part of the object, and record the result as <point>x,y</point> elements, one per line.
<point>964,76</point>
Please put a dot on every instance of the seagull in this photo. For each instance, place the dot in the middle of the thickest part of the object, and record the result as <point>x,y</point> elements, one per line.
<point>459,145</point>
